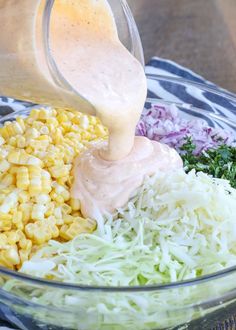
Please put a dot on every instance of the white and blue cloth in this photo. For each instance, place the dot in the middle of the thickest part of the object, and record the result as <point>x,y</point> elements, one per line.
<point>210,101</point>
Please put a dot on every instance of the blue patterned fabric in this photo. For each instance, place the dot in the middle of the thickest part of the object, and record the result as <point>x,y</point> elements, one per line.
<point>161,66</point>
<point>184,93</point>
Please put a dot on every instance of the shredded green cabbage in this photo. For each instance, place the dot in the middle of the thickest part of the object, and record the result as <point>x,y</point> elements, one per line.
<point>178,226</point>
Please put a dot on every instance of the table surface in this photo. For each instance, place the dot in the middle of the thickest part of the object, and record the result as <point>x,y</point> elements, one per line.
<point>199,34</point>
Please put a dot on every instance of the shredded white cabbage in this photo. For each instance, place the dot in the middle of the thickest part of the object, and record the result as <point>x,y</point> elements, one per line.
<point>178,226</point>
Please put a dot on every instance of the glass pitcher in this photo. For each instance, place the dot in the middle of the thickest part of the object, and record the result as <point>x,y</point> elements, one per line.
<point>28,70</point>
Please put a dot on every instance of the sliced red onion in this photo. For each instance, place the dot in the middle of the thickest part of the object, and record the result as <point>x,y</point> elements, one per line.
<point>165,124</point>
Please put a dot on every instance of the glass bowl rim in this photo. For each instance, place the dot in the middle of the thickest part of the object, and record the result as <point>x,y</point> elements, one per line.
<point>142,288</point>
<point>206,86</point>
<point>146,288</point>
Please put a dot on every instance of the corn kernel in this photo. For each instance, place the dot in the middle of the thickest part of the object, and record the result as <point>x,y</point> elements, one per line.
<point>71,114</point>
<point>62,118</point>
<point>86,136</point>
<point>37,125</point>
<point>8,190</point>
<point>23,197</point>
<point>11,129</point>
<point>34,161</point>
<point>56,198</point>
<point>26,209</point>
<point>2,141</point>
<point>12,141</point>
<point>2,197</point>
<point>4,165</point>
<point>21,237</point>
<point>93,120</point>
<point>42,199</point>
<point>32,133</point>
<point>81,225</point>
<point>25,244</point>
<point>4,151</point>
<point>62,191</point>
<point>41,232</point>
<point>52,121</point>
<point>63,180</point>
<point>68,219</point>
<point>22,178</point>
<point>60,171</point>
<point>24,255</point>
<point>21,122</point>
<point>66,209</point>
<point>12,237</point>
<point>17,219</point>
<point>30,149</point>
<point>57,136</point>
<point>58,212</point>
<point>12,255</point>
<point>59,221</point>
<point>66,126</point>
<point>5,222</point>
<point>17,128</point>
<point>4,133</point>
<point>7,180</point>
<point>4,262</point>
<point>3,241</point>
<point>20,142</point>
<point>40,145</point>
<point>34,113</point>
<point>100,130</point>
<point>50,209</point>
<point>84,122</point>
<point>44,130</point>
<point>46,182</point>
<point>45,114</point>
<point>75,204</point>
<point>38,211</point>
<point>35,186</point>
<point>13,169</point>
<point>9,202</point>
<point>76,214</point>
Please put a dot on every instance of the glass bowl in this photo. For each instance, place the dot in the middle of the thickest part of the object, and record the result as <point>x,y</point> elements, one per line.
<point>200,303</point>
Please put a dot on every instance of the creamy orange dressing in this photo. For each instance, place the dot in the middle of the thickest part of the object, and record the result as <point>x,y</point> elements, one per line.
<point>104,186</point>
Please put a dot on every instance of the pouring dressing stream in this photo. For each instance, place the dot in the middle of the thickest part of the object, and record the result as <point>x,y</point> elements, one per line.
<point>114,82</point>
<point>101,69</point>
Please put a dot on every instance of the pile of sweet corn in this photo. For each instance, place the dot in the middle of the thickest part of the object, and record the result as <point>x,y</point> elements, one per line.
<point>36,157</point>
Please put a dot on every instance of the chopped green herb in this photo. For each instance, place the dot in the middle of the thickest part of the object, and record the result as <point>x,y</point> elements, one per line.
<point>219,162</point>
